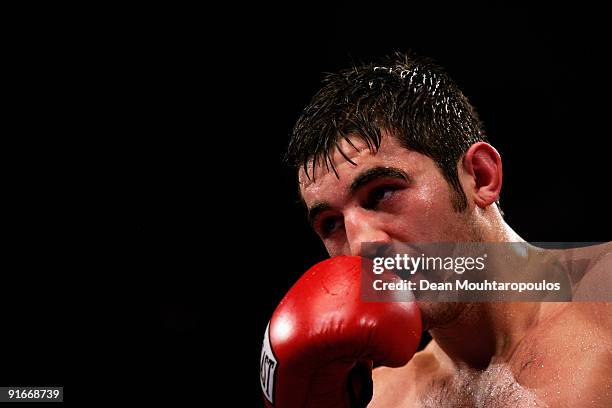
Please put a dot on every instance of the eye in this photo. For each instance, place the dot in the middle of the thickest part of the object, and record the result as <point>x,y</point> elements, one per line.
<point>329,225</point>
<point>378,194</point>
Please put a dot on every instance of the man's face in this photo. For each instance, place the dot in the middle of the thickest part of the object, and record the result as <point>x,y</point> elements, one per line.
<point>391,196</point>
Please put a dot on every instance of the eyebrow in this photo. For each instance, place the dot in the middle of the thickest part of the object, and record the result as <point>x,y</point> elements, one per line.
<point>376,173</point>
<point>361,180</point>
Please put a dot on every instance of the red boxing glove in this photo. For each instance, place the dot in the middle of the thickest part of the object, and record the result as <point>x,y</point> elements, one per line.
<point>322,334</point>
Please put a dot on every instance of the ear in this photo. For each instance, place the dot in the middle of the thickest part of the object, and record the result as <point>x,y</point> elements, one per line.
<point>483,164</point>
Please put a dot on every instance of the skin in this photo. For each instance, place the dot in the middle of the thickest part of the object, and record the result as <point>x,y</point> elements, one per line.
<point>482,354</point>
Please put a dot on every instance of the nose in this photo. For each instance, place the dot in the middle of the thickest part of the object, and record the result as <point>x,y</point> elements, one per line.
<point>362,226</point>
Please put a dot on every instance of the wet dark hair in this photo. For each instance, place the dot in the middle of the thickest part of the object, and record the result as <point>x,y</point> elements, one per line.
<point>409,96</point>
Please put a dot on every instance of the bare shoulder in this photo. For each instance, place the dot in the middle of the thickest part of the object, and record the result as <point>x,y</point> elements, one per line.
<point>589,263</point>
<point>571,350</point>
<point>593,293</point>
<point>397,387</point>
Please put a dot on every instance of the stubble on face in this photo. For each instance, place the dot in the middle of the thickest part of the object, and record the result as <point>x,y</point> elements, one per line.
<point>455,226</point>
<point>441,314</point>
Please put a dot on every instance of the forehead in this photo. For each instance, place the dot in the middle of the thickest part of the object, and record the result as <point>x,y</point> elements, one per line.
<point>390,154</point>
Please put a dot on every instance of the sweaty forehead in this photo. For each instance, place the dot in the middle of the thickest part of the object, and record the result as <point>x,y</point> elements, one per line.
<point>349,156</point>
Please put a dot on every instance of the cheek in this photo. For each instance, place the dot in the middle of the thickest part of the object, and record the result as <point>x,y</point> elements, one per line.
<point>427,215</point>
<point>431,200</point>
<point>336,246</point>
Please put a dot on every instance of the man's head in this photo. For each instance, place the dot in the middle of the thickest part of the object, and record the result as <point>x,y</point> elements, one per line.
<point>394,152</point>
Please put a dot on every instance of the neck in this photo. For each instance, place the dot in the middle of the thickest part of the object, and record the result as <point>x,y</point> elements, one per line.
<point>483,331</point>
<point>477,333</point>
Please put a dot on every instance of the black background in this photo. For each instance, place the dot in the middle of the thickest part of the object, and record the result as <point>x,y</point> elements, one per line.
<point>189,112</point>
